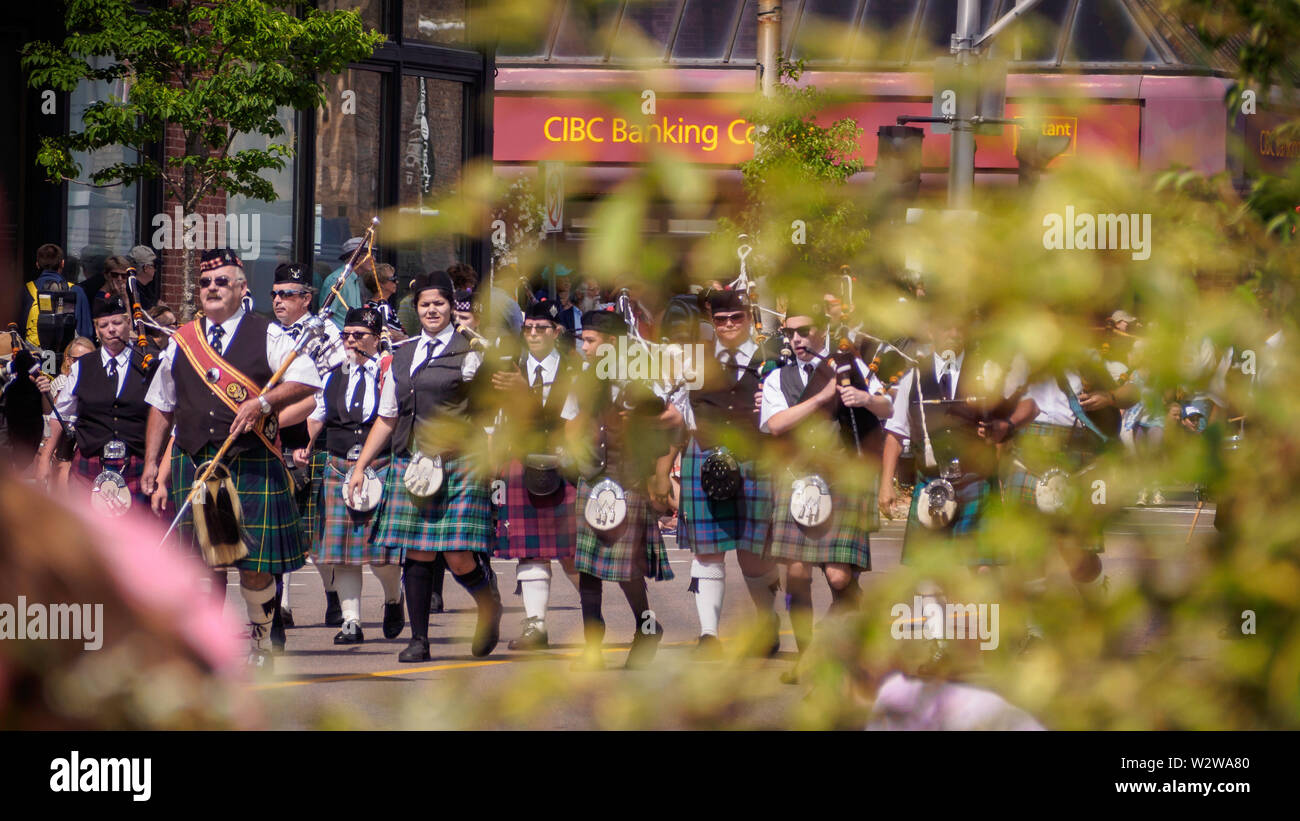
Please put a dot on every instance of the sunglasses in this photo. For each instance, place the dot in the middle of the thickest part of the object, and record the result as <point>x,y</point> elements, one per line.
<point>288,292</point>
<point>802,330</point>
<point>537,329</point>
<point>354,334</point>
<point>219,282</point>
<point>117,274</point>
<point>729,319</point>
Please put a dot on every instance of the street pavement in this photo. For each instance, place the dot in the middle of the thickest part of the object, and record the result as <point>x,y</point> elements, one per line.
<point>318,684</point>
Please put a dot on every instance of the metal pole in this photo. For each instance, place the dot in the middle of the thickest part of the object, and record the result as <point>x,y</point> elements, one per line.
<point>961,161</point>
<point>769,44</point>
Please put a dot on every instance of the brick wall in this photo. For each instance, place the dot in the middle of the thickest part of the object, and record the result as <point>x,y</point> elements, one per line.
<point>173,258</point>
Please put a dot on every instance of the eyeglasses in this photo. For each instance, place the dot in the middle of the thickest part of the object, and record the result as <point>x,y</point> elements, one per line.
<point>117,275</point>
<point>219,282</point>
<point>537,329</point>
<point>288,292</point>
<point>729,319</point>
<point>802,330</point>
<point>354,334</point>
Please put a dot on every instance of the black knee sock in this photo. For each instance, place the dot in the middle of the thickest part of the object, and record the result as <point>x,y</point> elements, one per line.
<point>439,566</point>
<point>478,582</point>
<point>417,581</point>
<point>590,594</point>
<point>635,593</point>
<point>801,612</point>
<point>846,599</point>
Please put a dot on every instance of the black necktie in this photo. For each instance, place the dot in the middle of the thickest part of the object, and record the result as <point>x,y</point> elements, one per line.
<point>432,348</point>
<point>945,385</point>
<point>538,382</point>
<point>358,394</point>
<point>726,358</point>
<point>216,332</point>
<point>809,368</point>
<point>112,368</point>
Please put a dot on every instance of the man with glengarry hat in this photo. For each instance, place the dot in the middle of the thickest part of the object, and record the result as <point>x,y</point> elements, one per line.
<point>208,386</point>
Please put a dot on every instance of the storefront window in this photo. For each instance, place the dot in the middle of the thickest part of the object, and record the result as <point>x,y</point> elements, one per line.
<point>1036,37</point>
<point>1104,31</point>
<point>348,164</point>
<point>262,232</point>
<point>101,221</point>
<point>585,30</point>
<point>646,25</point>
<point>819,18</point>
<point>370,10</point>
<point>433,21</point>
<point>432,152</point>
<point>886,29</point>
<point>706,30</point>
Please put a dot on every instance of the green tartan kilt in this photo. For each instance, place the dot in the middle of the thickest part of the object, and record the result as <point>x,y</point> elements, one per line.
<point>346,536</point>
<point>271,523</point>
<point>309,496</point>
<point>962,537</point>
<point>844,538</point>
<point>636,545</point>
<point>457,517</point>
<point>1037,449</point>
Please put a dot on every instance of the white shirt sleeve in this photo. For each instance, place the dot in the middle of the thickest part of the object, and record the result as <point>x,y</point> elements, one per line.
<point>900,422</point>
<point>471,364</point>
<point>162,390</point>
<point>388,397</point>
<point>65,401</point>
<point>570,409</point>
<point>318,412</point>
<point>774,400</point>
<point>302,370</point>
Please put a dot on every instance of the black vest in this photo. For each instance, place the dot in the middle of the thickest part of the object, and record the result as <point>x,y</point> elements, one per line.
<point>102,415</point>
<point>201,418</point>
<point>545,418</point>
<point>436,389</point>
<point>724,406</point>
<point>343,429</point>
<point>953,428</point>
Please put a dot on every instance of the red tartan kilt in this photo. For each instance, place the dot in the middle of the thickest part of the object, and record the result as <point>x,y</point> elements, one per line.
<point>84,471</point>
<point>537,528</point>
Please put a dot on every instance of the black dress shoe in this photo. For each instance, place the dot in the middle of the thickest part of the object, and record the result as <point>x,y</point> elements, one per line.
<point>277,630</point>
<point>333,610</point>
<point>708,648</point>
<point>417,650</point>
<point>488,630</point>
<point>534,638</point>
<point>644,646</point>
<point>350,634</point>
<point>435,603</point>
<point>394,619</point>
<point>287,616</point>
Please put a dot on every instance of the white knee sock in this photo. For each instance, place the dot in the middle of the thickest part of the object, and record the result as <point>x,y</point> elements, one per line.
<point>326,572</point>
<point>762,589</point>
<point>390,578</point>
<point>260,612</point>
<point>534,579</point>
<point>347,581</point>
<point>709,578</point>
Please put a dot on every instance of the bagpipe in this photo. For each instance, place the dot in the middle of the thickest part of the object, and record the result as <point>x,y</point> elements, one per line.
<point>218,518</point>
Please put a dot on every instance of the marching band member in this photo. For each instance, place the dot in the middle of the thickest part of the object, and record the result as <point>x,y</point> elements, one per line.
<point>103,400</point>
<point>344,531</point>
<point>433,503</point>
<point>291,298</point>
<point>726,504</point>
<point>617,534</point>
<point>207,385</point>
<point>538,518</point>
<point>952,442</point>
<point>827,521</point>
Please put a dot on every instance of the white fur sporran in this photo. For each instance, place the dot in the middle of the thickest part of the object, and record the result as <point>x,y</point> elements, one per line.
<point>109,494</point>
<point>1053,491</point>
<point>367,498</point>
<point>606,507</point>
<point>423,476</point>
<point>936,507</point>
<point>810,501</point>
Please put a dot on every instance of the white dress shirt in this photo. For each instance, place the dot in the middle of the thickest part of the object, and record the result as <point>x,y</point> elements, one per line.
<point>774,400</point>
<point>367,371</point>
<point>900,420</point>
<point>66,401</point>
<point>162,390</point>
<point>742,354</point>
<point>388,392</point>
<point>327,352</point>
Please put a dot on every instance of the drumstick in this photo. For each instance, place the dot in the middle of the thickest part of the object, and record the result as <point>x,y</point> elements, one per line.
<point>1196,516</point>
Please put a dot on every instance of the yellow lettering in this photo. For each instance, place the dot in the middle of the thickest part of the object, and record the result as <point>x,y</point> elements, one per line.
<point>618,130</point>
<point>710,136</point>
<point>591,129</point>
<point>546,128</point>
<point>747,134</point>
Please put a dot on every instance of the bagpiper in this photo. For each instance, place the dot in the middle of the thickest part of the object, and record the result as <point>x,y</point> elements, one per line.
<point>538,520</point>
<point>344,535</point>
<point>208,385</point>
<point>435,499</point>
<point>628,433</point>
<point>726,501</point>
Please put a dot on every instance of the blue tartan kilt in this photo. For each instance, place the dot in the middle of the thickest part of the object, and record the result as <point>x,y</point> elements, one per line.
<point>271,523</point>
<point>973,501</point>
<point>457,517</point>
<point>89,469</point>
<point>635,546</point>
<point>536,528</point>
<point>346,536</point>
<point>1026,465</point>
<point>742,523</point>
<point>844,538</point>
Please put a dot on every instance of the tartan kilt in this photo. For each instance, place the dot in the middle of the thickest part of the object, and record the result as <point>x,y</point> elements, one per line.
<point>741,523</point>
<point>537,529</point>
<point>616,556</point>
<point>272,526</point>
<point>309,497</point>
<point>1019,483</point>
<point>457,517</point>
<point>88,469</point>
<point>973,500</point>
<point>844,538</point>
<point>345,536</point>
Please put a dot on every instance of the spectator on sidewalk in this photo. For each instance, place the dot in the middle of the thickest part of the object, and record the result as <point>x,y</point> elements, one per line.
<point>49,260</point>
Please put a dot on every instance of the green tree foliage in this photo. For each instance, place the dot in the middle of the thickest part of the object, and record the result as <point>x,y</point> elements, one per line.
<point>209,70</point>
